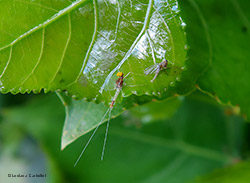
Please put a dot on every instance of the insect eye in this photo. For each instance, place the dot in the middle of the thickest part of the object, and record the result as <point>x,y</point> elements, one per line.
<point>119,74</point>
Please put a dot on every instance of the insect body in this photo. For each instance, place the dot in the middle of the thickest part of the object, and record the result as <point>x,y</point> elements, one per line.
<point>119,84</point>
<point>156,68</point>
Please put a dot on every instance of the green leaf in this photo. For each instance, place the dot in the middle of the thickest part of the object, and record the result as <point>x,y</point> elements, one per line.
<point>79,46</point>
<point>155,111</point>
<point>238,173</point>
<point>176,150</point>
<point>198,43</point>
<point>227,29</point>
<point>82,117</point>
<point>41,119</point>
<point>197,140</point>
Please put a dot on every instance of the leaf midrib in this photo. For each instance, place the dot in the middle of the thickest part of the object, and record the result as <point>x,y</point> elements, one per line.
<point>144,28</point>
<point>47,22</point>
<point>173,144</point>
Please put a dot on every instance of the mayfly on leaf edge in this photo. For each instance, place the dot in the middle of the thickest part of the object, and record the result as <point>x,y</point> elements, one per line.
<point>119,85</point>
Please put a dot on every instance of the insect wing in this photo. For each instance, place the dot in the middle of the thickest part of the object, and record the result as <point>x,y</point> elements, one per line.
<point>151,69</point>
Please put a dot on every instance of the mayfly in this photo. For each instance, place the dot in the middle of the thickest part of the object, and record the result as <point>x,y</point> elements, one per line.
<point>119,85</point>
<point>156,68</point>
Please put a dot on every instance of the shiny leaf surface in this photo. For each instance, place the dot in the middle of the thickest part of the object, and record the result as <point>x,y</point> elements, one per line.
<point>79,46</point>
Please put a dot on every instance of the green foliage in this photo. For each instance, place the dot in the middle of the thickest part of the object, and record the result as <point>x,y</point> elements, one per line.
<point>79,46</point>
<point>82,116</point>
<point>175,150</point>
<point>150,112</point>
<point>163,132</point>
<point>238,173</point>
<point>79,123</point>
<point>225,27</point>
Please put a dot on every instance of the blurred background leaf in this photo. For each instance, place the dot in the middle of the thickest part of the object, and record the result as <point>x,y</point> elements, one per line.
<point>221,38</point>
<point>238,173</point>
<point>157,110</point>
<point>196,140</point>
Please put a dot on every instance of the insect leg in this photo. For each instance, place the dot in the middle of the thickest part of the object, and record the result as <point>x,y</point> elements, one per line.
<point>156,74</point>
<point>126,75</point>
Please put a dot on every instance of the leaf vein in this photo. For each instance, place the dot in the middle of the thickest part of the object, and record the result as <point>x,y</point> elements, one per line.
<point>90,45</point>
<point>38,5</point>
<point>7,64</point>
<point>64,50</point>
<point>169,31</point>
<point>45,23</point>
<point>174,144</point>
<point>38,61</point>
<point>146,21</point>
<point>151,46</point>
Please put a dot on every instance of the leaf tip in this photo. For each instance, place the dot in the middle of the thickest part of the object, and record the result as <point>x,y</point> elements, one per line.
<point>63,145</point>
<point>64,142</point>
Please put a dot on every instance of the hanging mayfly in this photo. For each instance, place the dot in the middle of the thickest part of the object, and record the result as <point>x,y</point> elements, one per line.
<point>156,68</point>
<point>119,85</point>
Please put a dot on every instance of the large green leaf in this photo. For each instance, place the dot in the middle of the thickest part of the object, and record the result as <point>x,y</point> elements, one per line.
<point>238,173</point>
<point>227,29</point>
<point>198,139</point>
<point>79,46</point>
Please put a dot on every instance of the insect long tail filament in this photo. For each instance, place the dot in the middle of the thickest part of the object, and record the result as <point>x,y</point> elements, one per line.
<point>119,84</point>
<point>106,134</point>
<point>85,147</point>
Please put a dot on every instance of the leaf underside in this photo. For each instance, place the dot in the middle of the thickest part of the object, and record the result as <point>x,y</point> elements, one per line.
<point>79,46</point>
<point>225,26</point>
